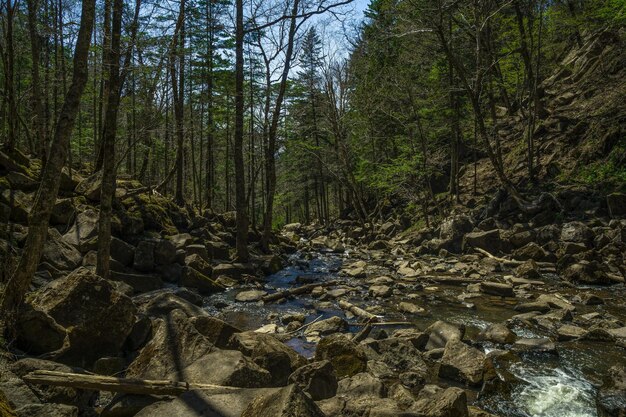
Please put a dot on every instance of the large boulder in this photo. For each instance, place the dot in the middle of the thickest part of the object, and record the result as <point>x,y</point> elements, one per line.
<point>433,401</point>
<point>269,353</point>
<point>576,232</point>
<point>37,332</point>
<point>316,379</point>
<point>584,272</point>
<point>196,403</point>
<point>97,318</point>
<point>490,241</point>
<point>440,333</point>
<point>90,186</point>
<point>215,330</point>
<point>228,368</point>
<point>345,356</point>
<point>462,363</point>
<point>175,345</point>
<point>289,401</point>
<point>84,231</point>
<point>144,256</point>
<point>195,279</point>
<point>60,254</point>
<point>328,326</point>
<point>452,230</point>
<point>122,252</point>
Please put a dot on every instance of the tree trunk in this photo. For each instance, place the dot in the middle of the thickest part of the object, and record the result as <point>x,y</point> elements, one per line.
<point>39,124</point>
<point>240,172</point>
<point>107,191</point>
<point>51,177</point>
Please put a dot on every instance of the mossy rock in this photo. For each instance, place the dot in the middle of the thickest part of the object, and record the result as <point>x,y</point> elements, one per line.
<point>153,211</point>
<point>5,407</point>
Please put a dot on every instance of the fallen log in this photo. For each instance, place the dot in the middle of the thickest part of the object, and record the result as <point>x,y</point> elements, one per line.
<point>383,323</point>
<point>295,291</point>
<point>511,262</point>
<point>113,384</point>
<point>358,311</point>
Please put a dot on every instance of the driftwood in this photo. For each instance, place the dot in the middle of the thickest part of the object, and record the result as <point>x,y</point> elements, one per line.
<point>295,291</point>
<point>358,311</point>
<point>113,384</point>
<point>512,262</point>
<point>383,323</point>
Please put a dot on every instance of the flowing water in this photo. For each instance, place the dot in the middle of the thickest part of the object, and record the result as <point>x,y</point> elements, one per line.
<point>562,385</point>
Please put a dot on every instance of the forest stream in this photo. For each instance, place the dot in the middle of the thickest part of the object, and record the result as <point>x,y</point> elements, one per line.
<point>551,384</point>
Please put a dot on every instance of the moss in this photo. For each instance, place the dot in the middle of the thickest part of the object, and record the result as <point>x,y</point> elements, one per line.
<point>4,183</point>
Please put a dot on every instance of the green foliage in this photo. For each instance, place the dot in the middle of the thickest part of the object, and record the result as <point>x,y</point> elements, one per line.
<point>609,171</point>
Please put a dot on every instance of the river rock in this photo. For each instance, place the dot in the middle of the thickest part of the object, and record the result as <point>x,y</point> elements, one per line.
<point>195,279</point>
<point>433,401</point>
<point>531,251</point>
<point>345,356</point>
<point>453,229</point>
<point>462,363</point>
<point>486,240</point>
<point>440,333</point>
<point>529,270</point>
<point>286,402</point>
<point>612,395</point>
<point>496,288</point>
<point>161,304</point>
<point>382,291</point>
<point>250,295</point>
<point>325,327</point>
<point>543,345</point>
<point>570,332</point>
<point>498,333</point>
<point>585,272</point>
<point>317,379</point>
<point>98,318</point>
<point>234,271</point>
<point>411,308</point>
<point>269,353</point>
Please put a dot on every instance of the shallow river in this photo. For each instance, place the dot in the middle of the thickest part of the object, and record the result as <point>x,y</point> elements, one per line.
<point>549,385</point>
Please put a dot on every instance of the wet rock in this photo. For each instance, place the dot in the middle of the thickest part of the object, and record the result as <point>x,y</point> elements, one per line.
<point>592,300</point>
<point>234,271</point>
<point>195,279</point>
<point>269,353</point>
<point>497,333</point>
<point>229,368</point>
<point>496,288</point>
<point>433,401</point>
<point>462,363</point>
<point>612,394</point>
<point>569,332</point>
<point>598,334</point>
<point>440,333</point>
<point>411,308</point>
<point>345,356</point>
<point>175,344</point>
<point>382,291</point>
<point>542,345</point>
<point>585,272</point>
<point>97,317</point>
<point>250,295</point>
<point>331,325</point>
<point>316,379</point>
<point>361,385</point>
<point>286,402</point>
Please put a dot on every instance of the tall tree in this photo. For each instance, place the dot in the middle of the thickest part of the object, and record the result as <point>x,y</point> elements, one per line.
<point>51,178</point>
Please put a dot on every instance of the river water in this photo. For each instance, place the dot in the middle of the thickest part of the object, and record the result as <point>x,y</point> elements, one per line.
<point>562,385</point>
